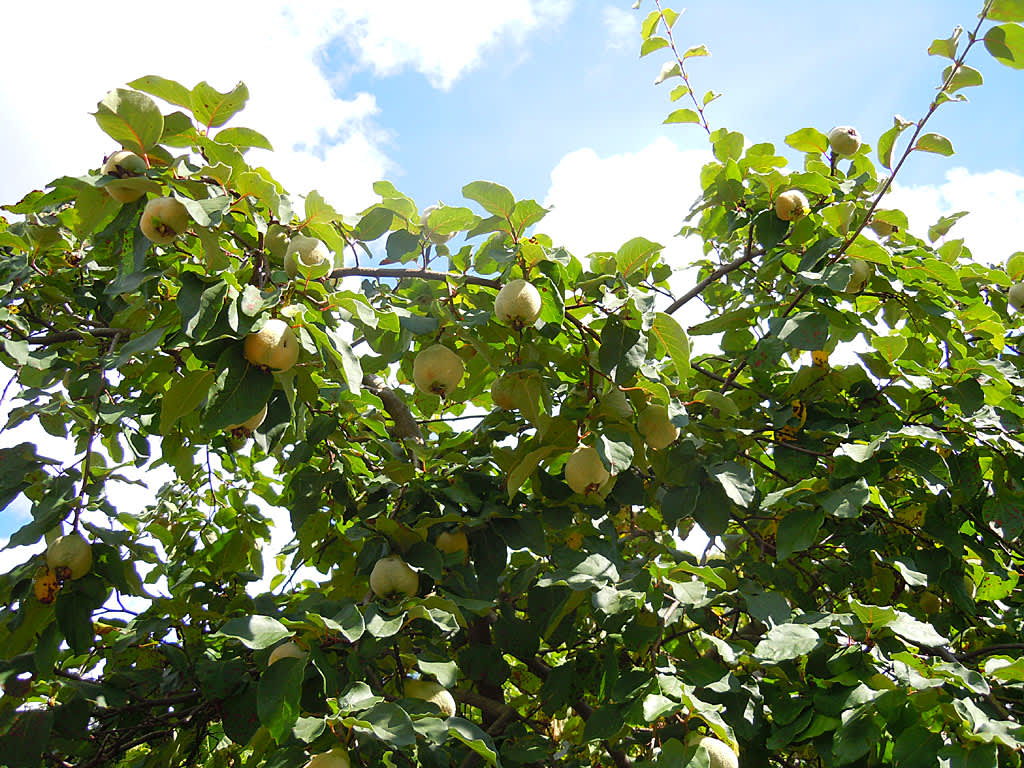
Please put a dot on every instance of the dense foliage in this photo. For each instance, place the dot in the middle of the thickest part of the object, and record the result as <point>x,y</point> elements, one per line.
<point>853,448</point>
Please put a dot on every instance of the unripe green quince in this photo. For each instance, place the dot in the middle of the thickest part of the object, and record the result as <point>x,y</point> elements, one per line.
<point>791,205</point>
<point>307,256</point>
<point>518,304</point>
<point>435,693</point>
<point>163,219</point>
<point>274,346</point>
<point>656,427</point>
<point>124,165</point>
<point>69,557</point>
<point>437,370</point>
<point>391,576</point>
<point>844,140</point>
<point>585,473</point>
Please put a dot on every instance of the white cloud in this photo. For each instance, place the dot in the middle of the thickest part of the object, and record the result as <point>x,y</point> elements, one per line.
<point>621,27</point>
<point>600,203</point>
<point>443,40</point>
<point>993,229</point>
<point>323,140</point>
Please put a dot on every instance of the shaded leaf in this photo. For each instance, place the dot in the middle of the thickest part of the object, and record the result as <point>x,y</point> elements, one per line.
<point>256,632</point>
<point>786,642</point>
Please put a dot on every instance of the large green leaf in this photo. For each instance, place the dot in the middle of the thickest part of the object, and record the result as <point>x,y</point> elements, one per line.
<point>787,642</point>
<point>213,108</point>
<point>277,697</point>
<point>493,198</point>
<point>673,338</point>
<point>130,118</point>
<point>256,632</point>
<point>1006,44</point>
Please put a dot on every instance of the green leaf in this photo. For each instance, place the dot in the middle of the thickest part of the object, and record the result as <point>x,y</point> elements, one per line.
<point>917,632</point>
<point>712,399</point>
<point>649,24</point>
<point>603,723</point>
<point>525,214</point>
<point>493,198</point>
<point>891,347</point>
<point>243,137</point>
<point>657,706</point>
<point>786,642</point>
<point>804,330</point>
<point>652,44</point>
<point>242,390</point>
<point>887,141</point>
<point>170,91</point>
<point>308,729</point>
<point>808,140</point>
<point>473,737</point>
<point>1006,44</point>
<point>1006,10</point>
<point>668,69</point>
<point>185,395</point>
<point>735,480</point>
<point>848,501</point>
<point>943,225</point>
<point>855,739</point>
<point>623,350</point>
<point>213,108</point>
<point>588,572</point>
<point>615,449</point>
<point>390,723</point>
<point>933,142</point>
<point>74,617</point>
<point>130,118</point>
<point>277,697</point>
<point>144,342</point>
<point>673,338</point>
<point>916,747</point>
<point>200,304</point>
<point>697,50</point>
<point>27,738</point>
<point>333,343</point>
<point>798,531</point>
<point>946,47</point>
<point>678,92</point>
<point>522,471</point>
<point>682,116</point>
<point>255,632</point>
<point>357,696</point>
<point>965,77</point>
<point>635,255</point>
<point>713,511</point>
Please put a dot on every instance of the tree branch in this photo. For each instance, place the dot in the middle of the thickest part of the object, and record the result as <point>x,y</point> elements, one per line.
<point>63,336</point>
<point>723,270</point>
<point>422,274</point>
<point>989,649</point>
<point>405,424</point>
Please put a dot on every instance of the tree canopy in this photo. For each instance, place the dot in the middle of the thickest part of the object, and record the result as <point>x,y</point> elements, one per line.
<point>487,505</point>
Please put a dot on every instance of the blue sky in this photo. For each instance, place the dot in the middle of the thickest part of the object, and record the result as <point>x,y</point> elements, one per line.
<point>548,97</point>
<point>515,116</point>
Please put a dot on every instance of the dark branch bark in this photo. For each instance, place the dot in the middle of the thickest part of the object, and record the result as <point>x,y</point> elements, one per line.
<point>480,634</point>
<point>723,270</point>
<point>63,336</point>
<point>405,424</point>
<point>423,274</point>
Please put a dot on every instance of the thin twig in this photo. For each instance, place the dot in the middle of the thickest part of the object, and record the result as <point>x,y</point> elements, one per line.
<point>682,69</point>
